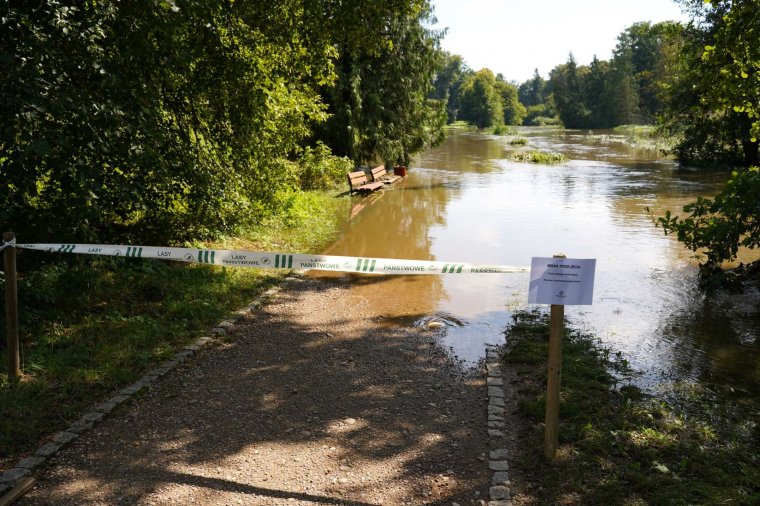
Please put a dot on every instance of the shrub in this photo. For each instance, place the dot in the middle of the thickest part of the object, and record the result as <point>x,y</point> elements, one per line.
<point>320,170</point>
<point>503,130</point>
<point>722,225</point>
<point>540,157</point>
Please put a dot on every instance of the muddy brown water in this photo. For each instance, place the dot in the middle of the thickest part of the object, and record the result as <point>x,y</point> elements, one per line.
<point>465,202</point>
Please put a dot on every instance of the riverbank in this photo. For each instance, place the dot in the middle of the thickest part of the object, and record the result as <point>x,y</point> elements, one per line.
<point>92,325</point>
<point>617,445</point>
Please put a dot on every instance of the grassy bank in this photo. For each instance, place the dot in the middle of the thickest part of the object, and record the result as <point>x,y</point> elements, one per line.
<point>91,325</point>
<point>618,446</point>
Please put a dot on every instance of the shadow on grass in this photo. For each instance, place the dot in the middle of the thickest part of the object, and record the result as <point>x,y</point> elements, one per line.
<point>617,445</point>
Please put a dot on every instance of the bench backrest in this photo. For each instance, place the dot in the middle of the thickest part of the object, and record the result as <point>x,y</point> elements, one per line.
<point>378,172</point>
<point>357,178</point>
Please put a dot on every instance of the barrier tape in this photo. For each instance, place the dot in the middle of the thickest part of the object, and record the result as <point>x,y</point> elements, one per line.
<point>264,260</point>
<point>7,244</point>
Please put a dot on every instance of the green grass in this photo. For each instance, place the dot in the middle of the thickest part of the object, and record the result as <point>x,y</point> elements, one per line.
<point>635,130</point>
<point>503,130</point>
<point>545,121</point>
<point>618,446</point>
<point>459,125</point>
<point>538,157</point>
<point>91,325</point>
<point>644,137</point>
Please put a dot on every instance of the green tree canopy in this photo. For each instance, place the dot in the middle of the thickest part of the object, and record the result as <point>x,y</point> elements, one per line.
<point>448,82</point>
<point>150,117</point>
<point>387,60</point>
<point>480,100</point>
<point>513,111</point>
<point>533,91</point>
<point>731,59</point>
<point>712,99</point>
<point>173,120</point>
<point>568,82</point>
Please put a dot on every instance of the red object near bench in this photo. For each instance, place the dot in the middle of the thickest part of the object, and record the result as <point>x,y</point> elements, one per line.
<point>379,174</point>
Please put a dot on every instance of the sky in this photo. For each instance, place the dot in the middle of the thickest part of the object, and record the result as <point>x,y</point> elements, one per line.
<point>514,37</point>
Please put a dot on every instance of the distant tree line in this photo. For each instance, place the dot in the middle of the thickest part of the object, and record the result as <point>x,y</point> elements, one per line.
<point>626,89</point>
<point>667,74</point>
<point>168,120</point>
<point>480,98</point>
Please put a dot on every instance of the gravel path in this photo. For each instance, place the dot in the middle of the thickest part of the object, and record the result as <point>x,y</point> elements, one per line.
<point>314,399</point>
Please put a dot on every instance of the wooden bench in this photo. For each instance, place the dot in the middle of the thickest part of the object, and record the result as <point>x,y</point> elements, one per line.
<point>379,174</point>
<point>359,182</point>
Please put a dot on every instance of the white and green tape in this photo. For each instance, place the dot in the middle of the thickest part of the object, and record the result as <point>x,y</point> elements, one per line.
<point>265,260</point>
<point>7,244</point>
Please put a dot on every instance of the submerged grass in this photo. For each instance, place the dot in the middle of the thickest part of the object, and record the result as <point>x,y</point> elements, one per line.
<point>538,157</point>
<point>91,325</point>
<point>644,137</point>
<point>503,130</point>
<point>618,446</point>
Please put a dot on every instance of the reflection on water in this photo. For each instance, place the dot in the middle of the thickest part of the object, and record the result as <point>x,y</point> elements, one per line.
<point>465,202</point>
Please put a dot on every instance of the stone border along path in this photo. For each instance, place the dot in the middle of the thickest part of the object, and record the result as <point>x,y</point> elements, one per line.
<point>499,491</point>
<point>11,477</point>
<point>497,462</point>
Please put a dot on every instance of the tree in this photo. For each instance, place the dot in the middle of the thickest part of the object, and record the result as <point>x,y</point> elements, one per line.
<point>722,225</point>
<point>448,82</point>
<point>626,89</point>
<point>148,119</point>
<point>710,104</point>
<point>480,100</point>
<point>731,59</point>
<point>620,96</point>
<point>596,91</point>
<point>568,83</point>
<point>736,52</point>
<point>533,91</point>
<point>513,111</point>
<point>386,61</point>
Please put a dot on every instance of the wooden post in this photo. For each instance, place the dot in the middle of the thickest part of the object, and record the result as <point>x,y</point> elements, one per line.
<point>556,331</point>
<point>11,311</point>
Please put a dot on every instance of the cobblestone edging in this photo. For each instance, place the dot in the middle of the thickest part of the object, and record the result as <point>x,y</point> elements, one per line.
<point>24,467</point>
<point>499,491</point>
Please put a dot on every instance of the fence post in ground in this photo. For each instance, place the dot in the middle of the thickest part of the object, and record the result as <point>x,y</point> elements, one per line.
<point>556,331</point>
<point>11,310</point>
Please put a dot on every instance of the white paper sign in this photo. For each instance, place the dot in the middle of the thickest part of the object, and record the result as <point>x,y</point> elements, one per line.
<point>562,281</point>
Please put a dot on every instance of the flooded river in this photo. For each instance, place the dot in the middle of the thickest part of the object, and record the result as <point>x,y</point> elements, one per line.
<point>465,202</point>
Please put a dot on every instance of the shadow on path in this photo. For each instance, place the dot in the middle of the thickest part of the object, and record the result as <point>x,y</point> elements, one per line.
<point>316,399</point>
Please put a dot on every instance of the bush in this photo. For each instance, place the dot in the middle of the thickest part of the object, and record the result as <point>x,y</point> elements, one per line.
<point>503,130</point>
<point>722,225</point>
<point>541,115</point>
<point>540,157</point>
<point>545,121</point>
<point>320,170</point>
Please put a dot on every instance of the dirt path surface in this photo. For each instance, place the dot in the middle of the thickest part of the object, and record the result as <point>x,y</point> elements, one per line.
<point>314,399</point>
